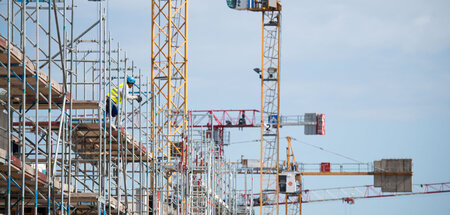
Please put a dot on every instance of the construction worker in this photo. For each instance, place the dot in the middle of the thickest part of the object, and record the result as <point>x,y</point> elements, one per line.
<point>117,94</point>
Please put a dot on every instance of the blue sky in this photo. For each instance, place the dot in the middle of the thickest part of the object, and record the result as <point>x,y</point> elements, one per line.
<point>379,70</point>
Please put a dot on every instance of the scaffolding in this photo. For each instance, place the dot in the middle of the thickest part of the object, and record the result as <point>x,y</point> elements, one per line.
<point>59,151</point>
<point>212,181</point>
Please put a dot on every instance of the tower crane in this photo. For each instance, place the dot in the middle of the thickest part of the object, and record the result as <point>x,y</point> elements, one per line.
<point>392,178</point>
<point>270,93</point>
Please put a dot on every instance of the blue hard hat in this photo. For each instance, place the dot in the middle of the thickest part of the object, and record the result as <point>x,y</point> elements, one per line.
<point>131,80</point>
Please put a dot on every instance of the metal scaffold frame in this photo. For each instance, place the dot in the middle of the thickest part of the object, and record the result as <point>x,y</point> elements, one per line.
<point>59,151</point>
<point>212,184</point>
<point>69,155</point>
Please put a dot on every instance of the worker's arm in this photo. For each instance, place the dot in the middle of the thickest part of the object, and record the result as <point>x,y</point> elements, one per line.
<point>128,96</point>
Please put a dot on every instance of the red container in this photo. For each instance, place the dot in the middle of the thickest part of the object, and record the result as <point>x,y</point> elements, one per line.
<point>325,167</point>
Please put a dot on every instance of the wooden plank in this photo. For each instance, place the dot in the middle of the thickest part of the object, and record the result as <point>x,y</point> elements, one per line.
<point>30,69</point>
<point>93,140</point>
<point>76,104</point>
<point>15,53</point>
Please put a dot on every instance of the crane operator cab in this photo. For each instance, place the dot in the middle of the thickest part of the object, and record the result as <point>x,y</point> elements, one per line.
<point>241,4</point>
<point>287,183</point>
<point>251,4</point>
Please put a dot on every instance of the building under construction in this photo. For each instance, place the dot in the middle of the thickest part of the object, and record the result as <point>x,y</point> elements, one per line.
<point>62,152</point>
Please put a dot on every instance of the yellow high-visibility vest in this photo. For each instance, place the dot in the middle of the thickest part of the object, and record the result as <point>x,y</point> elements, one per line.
<point>114,95</point>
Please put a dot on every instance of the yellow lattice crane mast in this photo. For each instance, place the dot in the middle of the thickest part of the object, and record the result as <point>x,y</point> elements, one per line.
<point>270,95</point>
<point>169,111</point>
<point>292,165</point>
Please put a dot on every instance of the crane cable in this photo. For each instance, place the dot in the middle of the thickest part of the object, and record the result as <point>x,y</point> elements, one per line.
<point>305,143</point>
<point>311,145</point>
<point>326,150</point>
<point>244,141</point>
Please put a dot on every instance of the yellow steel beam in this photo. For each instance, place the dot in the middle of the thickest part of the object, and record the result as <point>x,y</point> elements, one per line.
<point>355,173</point>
